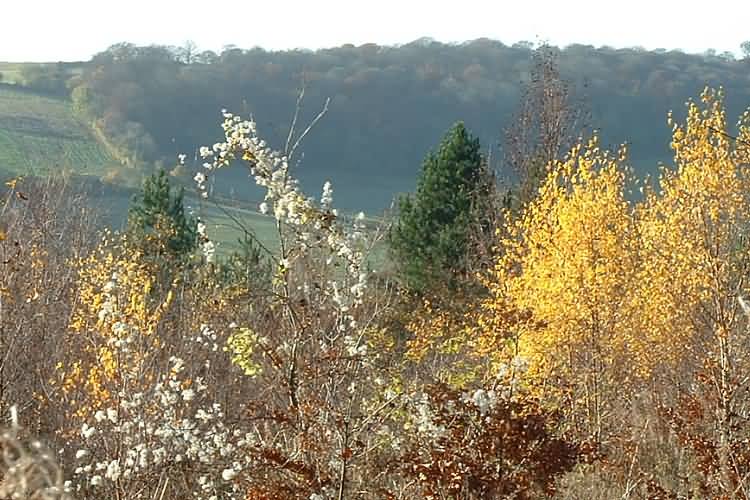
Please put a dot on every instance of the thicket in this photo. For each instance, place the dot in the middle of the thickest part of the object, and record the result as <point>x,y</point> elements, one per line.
<point>599,348</point>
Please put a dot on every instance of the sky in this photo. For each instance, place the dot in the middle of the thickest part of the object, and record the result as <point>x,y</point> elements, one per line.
<point>73,30</point>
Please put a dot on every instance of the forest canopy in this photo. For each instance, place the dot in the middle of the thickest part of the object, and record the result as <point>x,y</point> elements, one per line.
<point>389,104</point>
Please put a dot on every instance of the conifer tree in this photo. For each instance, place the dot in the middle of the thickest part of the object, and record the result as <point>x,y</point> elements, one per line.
<point>157,219</point>
<point>430,239</point>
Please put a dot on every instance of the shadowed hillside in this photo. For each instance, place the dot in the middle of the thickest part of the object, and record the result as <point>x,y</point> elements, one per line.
<point>388,104</point>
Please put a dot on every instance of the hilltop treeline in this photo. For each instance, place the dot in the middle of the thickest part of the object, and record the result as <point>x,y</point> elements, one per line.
<point>388,104</point>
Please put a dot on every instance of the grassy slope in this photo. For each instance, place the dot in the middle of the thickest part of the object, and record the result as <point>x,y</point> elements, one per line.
<point>225,225</point>
<point>40,134</point>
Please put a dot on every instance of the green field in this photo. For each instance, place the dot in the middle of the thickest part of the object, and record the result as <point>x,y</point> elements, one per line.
<point>40,135</point>
<point>226,225</point>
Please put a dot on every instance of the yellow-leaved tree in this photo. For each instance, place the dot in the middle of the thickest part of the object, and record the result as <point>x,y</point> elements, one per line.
<point>692,296</point>
<point>114,321</point>
<point>694,234</point>
<point>611,301</point>
<point>563,279</point>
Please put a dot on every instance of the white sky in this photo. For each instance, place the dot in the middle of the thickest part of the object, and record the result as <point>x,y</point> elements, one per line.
<point>52,30</point>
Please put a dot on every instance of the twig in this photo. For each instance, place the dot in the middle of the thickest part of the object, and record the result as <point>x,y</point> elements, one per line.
<point>293,126</point>
<point>310,127</point>
<point>164,489</point>
<point>729,136</point>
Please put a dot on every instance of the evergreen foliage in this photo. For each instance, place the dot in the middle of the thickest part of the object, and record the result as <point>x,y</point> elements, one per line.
<point>430,239</point>
<point>157,220</point>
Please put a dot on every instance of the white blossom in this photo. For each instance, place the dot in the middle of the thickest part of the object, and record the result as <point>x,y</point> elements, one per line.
<point>209,251</point>
<point>327,198</point>
<point>112,415</point>
<point>87,431</point>
<point>113,470</point>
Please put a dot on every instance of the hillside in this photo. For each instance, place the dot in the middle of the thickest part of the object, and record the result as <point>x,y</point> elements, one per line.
<point>39,134</point>
<point>11,72</point>
<point>389,105</point>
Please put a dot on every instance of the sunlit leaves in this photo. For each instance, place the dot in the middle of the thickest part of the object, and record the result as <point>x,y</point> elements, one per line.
<point>692,230</point>
<point>567,263</point>
<point>240,345</point>
<point>599,291</point>
<point>116,315</point>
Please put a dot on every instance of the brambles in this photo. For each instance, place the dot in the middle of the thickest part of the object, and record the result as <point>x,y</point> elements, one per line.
<point>46,225</point>
<point>483,444</point>
<point>29,470</point>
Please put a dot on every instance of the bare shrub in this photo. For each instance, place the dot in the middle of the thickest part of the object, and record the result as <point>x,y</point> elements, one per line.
<point>46,226</point>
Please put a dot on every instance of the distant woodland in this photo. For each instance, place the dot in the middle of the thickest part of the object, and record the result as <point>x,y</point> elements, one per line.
<point>389,105</point>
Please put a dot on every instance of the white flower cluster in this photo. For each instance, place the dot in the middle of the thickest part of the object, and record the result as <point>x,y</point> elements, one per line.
<point>207,247</point>
<point>424,417</point>
<point>123,334</point>
<point>510,375</point>
<point>269,168</point>
<point>200,180</point>
<point>313,227</point>
<point>485,401</point>
<point>355,347</point>
<point>109,302</point>
<point>168,425</point>
<point>326,200</point>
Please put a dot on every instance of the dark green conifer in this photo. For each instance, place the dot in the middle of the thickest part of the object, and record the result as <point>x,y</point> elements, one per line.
<point>430,239</point>
<point>157,220</point>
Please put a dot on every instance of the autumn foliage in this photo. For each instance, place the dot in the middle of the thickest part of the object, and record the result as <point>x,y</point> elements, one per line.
<point>602,353</point>
<point>622,302</point>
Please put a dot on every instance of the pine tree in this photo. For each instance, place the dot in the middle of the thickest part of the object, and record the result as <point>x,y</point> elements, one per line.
<point>157,220</point>
<point>429,241</point>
